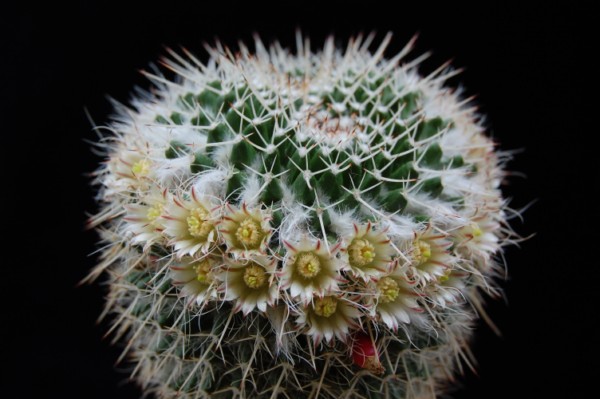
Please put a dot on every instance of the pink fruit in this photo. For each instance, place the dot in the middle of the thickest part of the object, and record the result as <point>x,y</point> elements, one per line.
<point>365,355</point>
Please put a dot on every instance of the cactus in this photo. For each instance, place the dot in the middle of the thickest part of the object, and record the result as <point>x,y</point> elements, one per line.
<point>320,224</point>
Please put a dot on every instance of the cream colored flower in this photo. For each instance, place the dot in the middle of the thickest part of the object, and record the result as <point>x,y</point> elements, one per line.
<point>197,278</point>
<point>190,222</point>
<point>369,253</point>
<point>395,299</point>
<point>448,289</point>
<point>246,232</point>
<point>479,238</point>
<point>309,269</point>
<point>328,317</point>
<point>133,170</point>
<point>144,218</point>
<point>430,258</point>
<point>251,282</point>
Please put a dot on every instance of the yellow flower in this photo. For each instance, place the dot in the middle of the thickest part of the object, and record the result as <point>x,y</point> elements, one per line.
<point>329,317</point>
<point>197,278</point>
<point>133,171</point>
<point>395,299</point>
<point>369,252</point>
<point>190,223</point>
<point>144,218</point>
<point>245,231</point>
<point>251,282</point>
<point>429,255</point>
<point>309,269</point>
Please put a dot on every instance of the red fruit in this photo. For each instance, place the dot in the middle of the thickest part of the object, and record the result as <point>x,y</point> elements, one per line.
<point>364,354</point>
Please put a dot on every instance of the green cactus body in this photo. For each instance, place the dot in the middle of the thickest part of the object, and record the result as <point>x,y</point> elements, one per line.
<point>269,216</point>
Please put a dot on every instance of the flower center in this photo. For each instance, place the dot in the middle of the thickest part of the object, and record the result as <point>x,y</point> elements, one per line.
<point>153,214</point>
<point>445,277</point>
<point>325,306</point>
<point>388,290</point>
<point>421,252</point>
<point>308,265</point>
<point>361,253</point>
<point>255,276</point>
<point>141,168</point>
<point>249,233</point>
<point>204,272</point>
<point>475,230</point>
<point>198,224</point>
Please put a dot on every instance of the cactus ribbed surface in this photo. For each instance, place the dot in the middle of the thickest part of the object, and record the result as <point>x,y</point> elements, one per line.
<point>318,224</point>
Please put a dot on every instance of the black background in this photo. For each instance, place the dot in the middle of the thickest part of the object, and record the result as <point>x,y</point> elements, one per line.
<point>530,67</point>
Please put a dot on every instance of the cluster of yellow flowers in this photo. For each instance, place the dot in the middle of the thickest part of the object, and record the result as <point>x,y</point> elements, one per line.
<point>222,252</point>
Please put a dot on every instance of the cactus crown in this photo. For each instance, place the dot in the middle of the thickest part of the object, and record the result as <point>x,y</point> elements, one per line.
<point>273,218</point>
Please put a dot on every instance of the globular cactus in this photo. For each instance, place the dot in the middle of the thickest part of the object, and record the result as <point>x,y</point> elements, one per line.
<point>298,225</point>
